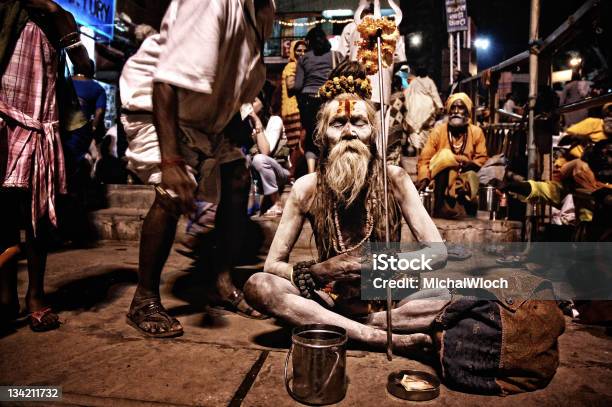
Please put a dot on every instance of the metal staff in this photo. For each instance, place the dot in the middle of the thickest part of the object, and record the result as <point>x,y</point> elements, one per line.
<point>383,144</point>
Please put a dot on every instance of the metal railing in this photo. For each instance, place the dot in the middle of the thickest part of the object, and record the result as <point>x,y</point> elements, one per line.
<point>506,138</point>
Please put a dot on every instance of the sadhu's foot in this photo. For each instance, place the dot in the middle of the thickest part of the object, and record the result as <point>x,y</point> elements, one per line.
<point>242,308</point>
<point>150,318</point>
<point>406,344</point>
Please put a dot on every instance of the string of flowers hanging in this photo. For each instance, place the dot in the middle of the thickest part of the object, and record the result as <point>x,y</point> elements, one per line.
<point>370,29</point>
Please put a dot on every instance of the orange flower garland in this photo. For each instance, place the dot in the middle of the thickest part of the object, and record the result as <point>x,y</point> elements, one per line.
<point>343,84</point>
<point>367,53</point>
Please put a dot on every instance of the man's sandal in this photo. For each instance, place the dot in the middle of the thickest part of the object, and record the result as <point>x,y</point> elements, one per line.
<point>236,298</point>
<point>153,312</point>
<point>43,320</point>
<point>511,261</point>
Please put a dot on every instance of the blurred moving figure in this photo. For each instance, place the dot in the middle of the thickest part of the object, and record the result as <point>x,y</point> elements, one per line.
<point>179,93</point>
<point>78,143</point>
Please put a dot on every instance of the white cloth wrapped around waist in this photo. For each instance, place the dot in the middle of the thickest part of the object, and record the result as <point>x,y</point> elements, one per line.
<point>203,154</point>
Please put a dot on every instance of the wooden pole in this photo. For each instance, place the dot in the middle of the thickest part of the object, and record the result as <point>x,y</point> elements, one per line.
<point>458,50</point>
<point>450,57</point>
<point>383,145</point>
<point>533,93</point>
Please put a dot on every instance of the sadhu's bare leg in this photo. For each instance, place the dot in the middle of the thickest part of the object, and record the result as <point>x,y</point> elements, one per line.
<point>413,314</point>
<point>276,296</point>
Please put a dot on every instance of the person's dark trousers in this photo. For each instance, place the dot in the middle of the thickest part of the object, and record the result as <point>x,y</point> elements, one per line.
<point>309,107</point>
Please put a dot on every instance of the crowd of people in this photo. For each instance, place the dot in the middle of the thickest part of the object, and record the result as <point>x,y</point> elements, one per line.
<point>201,128</point>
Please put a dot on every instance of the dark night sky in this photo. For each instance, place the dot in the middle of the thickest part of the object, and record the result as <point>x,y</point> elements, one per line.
<point>506,23</point>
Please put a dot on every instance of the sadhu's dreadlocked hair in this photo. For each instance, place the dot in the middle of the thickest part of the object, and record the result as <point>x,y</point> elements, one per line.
<point>325,200</point>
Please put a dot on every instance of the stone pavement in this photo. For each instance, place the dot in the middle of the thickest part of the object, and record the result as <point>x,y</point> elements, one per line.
<point>100,361</point>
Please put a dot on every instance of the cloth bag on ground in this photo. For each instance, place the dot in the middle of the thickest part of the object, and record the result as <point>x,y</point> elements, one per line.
<point>503,346</point>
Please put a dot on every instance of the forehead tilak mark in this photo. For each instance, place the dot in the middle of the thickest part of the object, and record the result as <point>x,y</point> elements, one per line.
<point>347,107</point>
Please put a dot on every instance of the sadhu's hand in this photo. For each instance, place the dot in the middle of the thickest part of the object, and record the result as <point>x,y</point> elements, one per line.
<point>343,267</point>
<point>175,178</point>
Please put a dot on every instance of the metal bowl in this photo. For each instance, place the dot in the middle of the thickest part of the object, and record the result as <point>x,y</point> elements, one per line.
<point>487,199</point>
<point>395,387</point>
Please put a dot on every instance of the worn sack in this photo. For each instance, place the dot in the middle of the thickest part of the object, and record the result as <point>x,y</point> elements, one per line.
<point>502,346</point>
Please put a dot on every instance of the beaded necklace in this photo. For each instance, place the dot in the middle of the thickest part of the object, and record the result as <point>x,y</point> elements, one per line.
<point>457,148</point>
<point>338,240</point>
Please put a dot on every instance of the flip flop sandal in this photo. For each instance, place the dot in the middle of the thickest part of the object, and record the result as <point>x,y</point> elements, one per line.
<point>235,298</point>
<point>458,253</point>
<point>152,311</point>
<point>37,323</point>
<point>510,261</point>
<point>494,249</point>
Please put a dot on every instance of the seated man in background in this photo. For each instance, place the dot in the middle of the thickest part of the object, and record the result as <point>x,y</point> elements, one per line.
<point>453,154</point>
<point>269,158</point>
<point>585,171</point>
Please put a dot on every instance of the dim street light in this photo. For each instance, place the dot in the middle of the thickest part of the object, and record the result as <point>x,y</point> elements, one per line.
<point>575,61</point>
<point>482,43</point>
<point>416,40</point>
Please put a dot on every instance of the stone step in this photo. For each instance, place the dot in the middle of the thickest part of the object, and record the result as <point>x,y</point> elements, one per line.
<point>130,196</point>
<point>142,196</point>
<point>128,205</point>
<point>125,224</point>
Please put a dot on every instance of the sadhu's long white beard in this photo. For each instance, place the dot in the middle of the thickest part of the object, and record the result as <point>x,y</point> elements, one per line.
<point>346,170</point>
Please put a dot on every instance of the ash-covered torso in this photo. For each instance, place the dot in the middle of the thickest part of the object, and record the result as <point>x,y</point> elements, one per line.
<point>362,222</point>
<point>353,224</point>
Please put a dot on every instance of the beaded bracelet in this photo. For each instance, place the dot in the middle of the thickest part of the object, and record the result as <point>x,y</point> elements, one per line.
<point>301,277</point>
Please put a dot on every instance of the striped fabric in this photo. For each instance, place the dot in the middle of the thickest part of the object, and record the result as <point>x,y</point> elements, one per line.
<point>29,120</point>
<point>293,129</point>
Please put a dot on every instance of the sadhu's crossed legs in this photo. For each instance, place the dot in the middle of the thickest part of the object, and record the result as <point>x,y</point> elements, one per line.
<point>276,296</point>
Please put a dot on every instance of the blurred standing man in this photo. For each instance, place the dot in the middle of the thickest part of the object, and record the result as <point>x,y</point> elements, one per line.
<point>510,104</point>
<point>422,102</point>
<point>92,98</point>
<point>575,91</point>
<point>209,62</point>
<point>31,158</point>
<point>290,112</point>
<point>456,87</point>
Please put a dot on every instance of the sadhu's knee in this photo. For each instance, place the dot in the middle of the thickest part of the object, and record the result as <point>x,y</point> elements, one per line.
<point>259,290</point>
